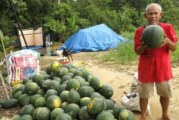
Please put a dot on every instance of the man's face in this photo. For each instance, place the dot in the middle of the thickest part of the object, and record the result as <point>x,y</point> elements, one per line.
<point>153,15</point>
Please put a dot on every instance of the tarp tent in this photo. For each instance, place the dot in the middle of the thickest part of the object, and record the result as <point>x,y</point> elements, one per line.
<point>95,38</point>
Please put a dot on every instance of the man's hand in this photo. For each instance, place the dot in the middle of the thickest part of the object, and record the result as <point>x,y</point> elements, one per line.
<point>141,48</point>
<point>166,41</point>
<point>143,45</point>
<point>171,45</point>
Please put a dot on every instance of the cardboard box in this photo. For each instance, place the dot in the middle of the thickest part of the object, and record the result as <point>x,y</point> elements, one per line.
<point>32,37</point>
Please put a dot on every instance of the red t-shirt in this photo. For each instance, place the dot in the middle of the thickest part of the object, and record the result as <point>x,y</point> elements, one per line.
<point>154,64</point>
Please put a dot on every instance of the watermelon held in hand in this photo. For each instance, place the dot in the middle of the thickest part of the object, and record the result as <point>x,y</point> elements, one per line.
<point>153,36</point>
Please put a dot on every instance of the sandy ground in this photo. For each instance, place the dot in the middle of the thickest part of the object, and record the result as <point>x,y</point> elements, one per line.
<point>120,77</point>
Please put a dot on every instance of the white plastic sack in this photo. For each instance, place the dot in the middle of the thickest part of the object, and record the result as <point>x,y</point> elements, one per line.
<point>131,102</point>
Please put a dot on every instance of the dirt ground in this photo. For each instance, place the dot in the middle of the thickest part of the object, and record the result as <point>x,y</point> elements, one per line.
<point>120,77</point>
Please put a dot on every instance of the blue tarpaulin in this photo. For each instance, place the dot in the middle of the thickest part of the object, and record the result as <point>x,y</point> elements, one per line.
<point>95,38</point>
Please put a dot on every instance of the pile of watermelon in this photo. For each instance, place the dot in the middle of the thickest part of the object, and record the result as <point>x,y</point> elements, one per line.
<point>66,92</point>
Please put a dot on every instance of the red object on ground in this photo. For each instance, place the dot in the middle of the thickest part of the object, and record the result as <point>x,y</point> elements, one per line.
<point>64,62</point>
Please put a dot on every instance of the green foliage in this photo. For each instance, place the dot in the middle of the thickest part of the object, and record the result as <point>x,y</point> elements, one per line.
<point>125,17</point>
<point>123,54</point>
<point>55,26</point>
<point>171,16</point>
<point>5,43</point>
<point>128,35</point>
<point>62,21</point>
<point>175,55</point>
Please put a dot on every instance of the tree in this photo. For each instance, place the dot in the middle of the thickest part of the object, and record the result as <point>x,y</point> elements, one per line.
<point>62,21</point>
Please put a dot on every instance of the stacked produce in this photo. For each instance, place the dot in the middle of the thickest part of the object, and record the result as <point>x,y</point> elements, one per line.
<point>67,92</point>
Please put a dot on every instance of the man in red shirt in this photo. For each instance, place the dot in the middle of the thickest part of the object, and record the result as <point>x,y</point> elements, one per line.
<point>154,66</point>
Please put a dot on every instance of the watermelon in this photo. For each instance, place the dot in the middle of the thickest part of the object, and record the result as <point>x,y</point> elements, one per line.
<point>8,103</point>
<point>53,101</point>
<point>18,87</point>
<point>85,91</point>
<point>96,95</point>
<point>153,35</point>
<point>46,84</point>
<point>106,91</point>
<point>73,97</point>
<point>34,97</point>
<point>26,117</point>
<point>61,88</point>
<point>68,65</point>
<point>72,109</point>
<point>41,113</point>
<point>81,80</point>
<point>65,78</point>
<point>57,79</point>
<point>41,92</point>
<point>17,94</point>
<point>63,116</point>
<point>78,73</point>
<point>38,79</point>
<point>55,113</point>
<point>25,80</point>
<point>31,88</point>
<point>84,101</point>
<point>54,84</point>
<point>63,95</point>
<point>63,105</point>
<point>40,102</point>
<point>105,115</point>
<point>60,72</point>
<point>24,99</point>
<point>126,115</point>
<point>95,83</point>
<point>50,92</point>
<point>48,69</point>
<point>110,105</point>
<point>83,113</point>
<point>27,110</point>
<point>96,105</point>
<point>55,65</point>
<point>117,110</point>
<point>73,84</point>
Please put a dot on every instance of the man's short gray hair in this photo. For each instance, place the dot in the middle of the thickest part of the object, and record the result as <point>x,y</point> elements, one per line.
<point>154,4</point>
